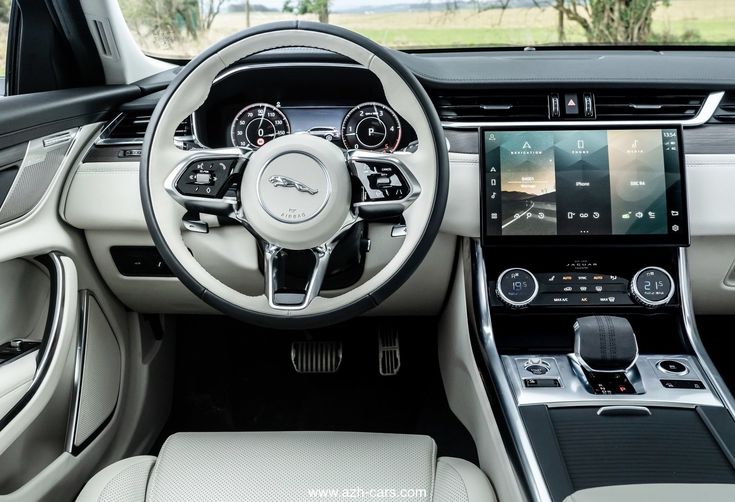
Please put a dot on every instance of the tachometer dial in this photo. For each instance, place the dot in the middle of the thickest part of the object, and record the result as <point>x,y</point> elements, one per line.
<point>371,126</point>
<point>257,124</point>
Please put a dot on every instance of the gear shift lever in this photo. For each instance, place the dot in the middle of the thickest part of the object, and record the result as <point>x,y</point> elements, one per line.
<point>605,344</point>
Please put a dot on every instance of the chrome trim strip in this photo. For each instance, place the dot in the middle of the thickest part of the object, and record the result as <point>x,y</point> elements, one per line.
<point>71,430</point>
<point>531,468</point>
<point>705,114</point>
<point>617,410</point>
<point>717,384</point>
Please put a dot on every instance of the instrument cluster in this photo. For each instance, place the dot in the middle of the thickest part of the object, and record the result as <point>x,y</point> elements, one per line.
<point>369,126</point>
<point>250,105</point>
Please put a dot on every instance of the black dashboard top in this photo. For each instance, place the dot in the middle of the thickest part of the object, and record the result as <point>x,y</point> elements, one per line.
<point>613,67</point>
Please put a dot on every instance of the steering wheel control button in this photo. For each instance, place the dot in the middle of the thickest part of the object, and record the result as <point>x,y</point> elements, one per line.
<point>516,287</point>
<point>652,287</point>
<point>672,367</point>
<point>205,178</point>
<point>380,181</point>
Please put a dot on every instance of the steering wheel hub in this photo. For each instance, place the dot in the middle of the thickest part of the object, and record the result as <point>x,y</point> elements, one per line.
<point>296,191</point>
<point>294,187</point>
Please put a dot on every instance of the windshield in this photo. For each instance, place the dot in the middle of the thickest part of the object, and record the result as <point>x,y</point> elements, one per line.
<point>180,29</point>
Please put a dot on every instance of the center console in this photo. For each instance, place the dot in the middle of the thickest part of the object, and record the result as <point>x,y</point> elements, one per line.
<point>584,314</point>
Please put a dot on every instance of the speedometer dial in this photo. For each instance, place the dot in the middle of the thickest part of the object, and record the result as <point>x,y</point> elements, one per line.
<point>371,126</point>
<point>257,124</point>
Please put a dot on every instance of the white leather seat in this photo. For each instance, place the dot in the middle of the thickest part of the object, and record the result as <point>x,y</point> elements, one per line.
<point>291,467</point>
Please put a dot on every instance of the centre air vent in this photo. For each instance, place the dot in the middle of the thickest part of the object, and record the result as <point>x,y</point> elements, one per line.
<point>129,129</point>
<point>726,111</point>
<point>646,104</point>
<point>490,106</point>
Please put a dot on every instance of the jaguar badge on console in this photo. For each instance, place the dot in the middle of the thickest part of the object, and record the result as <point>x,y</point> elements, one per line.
<point>286,182</point>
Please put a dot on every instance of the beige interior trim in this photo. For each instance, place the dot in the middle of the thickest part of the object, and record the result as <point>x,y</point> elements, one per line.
<point>466,392</point>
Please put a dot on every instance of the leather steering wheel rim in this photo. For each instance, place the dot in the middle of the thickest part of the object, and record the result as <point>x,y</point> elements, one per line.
<point>360,304</point>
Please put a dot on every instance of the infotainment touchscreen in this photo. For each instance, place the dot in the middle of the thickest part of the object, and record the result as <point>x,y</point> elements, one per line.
<point>584,186</point>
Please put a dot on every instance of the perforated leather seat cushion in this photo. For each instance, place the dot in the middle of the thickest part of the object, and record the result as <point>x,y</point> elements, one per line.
<point>293,467</point>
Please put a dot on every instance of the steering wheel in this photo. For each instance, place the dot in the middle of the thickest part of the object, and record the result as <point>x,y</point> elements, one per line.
<point>297,192</point>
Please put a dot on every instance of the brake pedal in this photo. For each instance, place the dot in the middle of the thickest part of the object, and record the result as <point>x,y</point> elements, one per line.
<point>316,356</point>
<point>389,353</point>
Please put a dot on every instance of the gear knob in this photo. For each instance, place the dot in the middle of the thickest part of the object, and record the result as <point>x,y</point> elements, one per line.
<point>605,343</point>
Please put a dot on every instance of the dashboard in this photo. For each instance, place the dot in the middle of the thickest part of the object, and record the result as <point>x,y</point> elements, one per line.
<point>475,93</point>
<point>253,104</point>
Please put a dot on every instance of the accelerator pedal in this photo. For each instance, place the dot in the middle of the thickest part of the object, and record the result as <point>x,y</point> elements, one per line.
<point>389,352</point>
<point>316,356</point>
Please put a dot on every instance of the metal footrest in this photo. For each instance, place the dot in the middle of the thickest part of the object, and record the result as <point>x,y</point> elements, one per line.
<point>389,353</point>
<point>316,356</point>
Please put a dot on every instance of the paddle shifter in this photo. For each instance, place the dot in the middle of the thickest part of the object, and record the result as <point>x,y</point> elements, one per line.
<point>605,348</point>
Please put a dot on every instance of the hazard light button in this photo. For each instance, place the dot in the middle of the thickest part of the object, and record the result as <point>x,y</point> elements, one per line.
<point>571,104</point>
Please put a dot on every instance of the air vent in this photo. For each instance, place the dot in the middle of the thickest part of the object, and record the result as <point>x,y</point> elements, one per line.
<point>648,104</point>
<point>726,111</point>
<point>130,130</point>
<point>490,106</point>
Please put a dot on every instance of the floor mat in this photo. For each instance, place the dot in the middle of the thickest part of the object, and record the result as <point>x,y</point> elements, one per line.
<point>233,376</point>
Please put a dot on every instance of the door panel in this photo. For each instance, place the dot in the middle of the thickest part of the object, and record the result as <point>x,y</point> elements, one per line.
<point>23,309</point>
<point>40,411</point>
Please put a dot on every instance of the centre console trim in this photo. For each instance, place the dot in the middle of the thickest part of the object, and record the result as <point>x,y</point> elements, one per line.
<point>717,384</point>
<point>700,367</point>
<point>529,463</point>
<point>574,393</point>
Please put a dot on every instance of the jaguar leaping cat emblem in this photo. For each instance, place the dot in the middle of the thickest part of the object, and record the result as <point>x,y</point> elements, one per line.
<point>286,182</point>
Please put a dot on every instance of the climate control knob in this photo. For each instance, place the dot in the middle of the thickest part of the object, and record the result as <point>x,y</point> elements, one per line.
<point>516,287</point>
<point>652,287</point>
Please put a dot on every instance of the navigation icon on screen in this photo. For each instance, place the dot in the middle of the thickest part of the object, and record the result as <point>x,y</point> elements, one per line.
<point>674,213</point>
<point>493,216</point>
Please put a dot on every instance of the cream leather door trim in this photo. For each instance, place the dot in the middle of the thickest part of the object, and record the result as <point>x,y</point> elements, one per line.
<point>48,376</point>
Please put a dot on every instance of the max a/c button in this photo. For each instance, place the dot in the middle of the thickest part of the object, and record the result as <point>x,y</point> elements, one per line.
<point>557,299</point>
